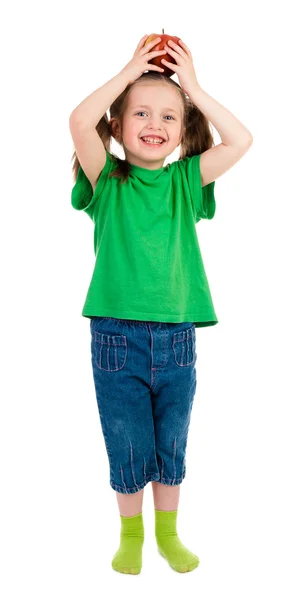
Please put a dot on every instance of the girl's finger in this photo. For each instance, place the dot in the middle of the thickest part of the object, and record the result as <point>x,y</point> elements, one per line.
<point>185,47</point>
<point>151,44</point>
<point>175,55</point>
<point>142,41</point>
<point>178,50</point>
<point>152,67</point>
<point>155,53</point>
<point>170,65</point>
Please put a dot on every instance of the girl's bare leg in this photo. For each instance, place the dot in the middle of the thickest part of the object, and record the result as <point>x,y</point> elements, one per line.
<point>166,497</point>
<point>130,504</point>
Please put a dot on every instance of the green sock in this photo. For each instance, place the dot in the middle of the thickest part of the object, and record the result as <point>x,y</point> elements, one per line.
<point>128,559</point>
<point>169,544</point>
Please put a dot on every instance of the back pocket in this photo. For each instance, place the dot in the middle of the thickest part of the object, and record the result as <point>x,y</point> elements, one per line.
<point>184,347</point>
<point>110,351</point>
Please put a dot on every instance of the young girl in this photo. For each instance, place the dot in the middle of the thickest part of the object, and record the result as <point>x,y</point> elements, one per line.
<point>149,289</point>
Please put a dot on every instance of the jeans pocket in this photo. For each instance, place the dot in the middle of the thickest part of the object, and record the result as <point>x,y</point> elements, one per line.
<point>110,351</point>
<point>184,347</point>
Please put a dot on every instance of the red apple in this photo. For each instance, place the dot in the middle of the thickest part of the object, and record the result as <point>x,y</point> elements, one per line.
<point>160,46</point>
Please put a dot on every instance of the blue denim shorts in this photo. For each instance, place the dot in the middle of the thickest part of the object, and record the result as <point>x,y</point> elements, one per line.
<point>145,382</point>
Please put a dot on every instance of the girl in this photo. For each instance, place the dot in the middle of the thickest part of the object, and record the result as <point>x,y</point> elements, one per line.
<point>149,289</point>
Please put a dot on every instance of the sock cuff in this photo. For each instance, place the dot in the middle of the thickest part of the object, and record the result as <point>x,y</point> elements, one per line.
<point>166,512</point>
<point>133,517</point>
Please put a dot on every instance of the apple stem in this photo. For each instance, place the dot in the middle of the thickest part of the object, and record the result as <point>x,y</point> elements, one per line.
<point>162,31</point>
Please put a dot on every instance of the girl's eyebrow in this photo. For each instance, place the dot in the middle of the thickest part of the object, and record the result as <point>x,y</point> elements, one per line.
<point>146,106</point>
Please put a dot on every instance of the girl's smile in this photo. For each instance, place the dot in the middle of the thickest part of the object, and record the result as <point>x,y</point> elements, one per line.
<point>150,144</point>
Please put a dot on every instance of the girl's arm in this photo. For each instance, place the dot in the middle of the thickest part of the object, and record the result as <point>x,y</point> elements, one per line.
<point>89,112</point>
<point>83,120</point>
<point>85,117</point>
<point>230,129</point>
<point>236,138</point>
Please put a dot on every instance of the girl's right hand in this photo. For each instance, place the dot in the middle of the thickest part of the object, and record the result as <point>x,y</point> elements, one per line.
<point>139,63</point>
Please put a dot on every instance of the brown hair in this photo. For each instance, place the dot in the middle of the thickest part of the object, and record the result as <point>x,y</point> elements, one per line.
<point>196,130</point>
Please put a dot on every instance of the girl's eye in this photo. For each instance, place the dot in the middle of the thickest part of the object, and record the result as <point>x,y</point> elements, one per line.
<point>144,113</point>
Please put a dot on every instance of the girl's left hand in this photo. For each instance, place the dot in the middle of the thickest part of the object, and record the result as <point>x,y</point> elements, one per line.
<point>184,68</point>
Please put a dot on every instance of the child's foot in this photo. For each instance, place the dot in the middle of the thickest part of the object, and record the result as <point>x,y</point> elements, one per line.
<point>128,559</point>
<point>169,544</point>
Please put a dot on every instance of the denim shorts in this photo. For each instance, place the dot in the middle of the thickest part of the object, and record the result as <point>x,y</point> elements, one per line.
<point>145,382</point>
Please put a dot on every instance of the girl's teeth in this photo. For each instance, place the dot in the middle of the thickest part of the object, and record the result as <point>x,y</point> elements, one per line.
<point>152,141</point>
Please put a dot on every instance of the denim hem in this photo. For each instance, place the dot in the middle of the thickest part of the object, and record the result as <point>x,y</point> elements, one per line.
<point>140,486</point>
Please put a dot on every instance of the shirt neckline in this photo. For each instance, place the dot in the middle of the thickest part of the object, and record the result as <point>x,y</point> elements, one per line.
<point>150,173</point>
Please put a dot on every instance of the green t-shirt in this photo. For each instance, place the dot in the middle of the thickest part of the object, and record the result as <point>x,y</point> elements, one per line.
<point>148,263</point>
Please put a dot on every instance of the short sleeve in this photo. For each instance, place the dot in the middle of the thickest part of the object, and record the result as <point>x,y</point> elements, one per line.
<point>82,196</point>
<point>203,198</point>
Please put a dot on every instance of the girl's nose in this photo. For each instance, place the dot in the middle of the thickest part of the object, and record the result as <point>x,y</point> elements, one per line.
<point>155,124</point>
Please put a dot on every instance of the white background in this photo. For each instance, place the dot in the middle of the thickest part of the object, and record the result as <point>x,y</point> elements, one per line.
<point>59,517</point>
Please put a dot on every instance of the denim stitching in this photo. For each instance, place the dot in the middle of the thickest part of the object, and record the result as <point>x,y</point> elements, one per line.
<point>124,484</point>
<point>108,355</point>
<point>116,357</point>
<point>102,340</point>
<point>164,361</point>
<point>152,353</point>
<point>189,339</point>
<point>100,357</point>
<point>173,460</point>
<point>132,465</point>
<point>118,488</point>
<point>182,351</point>
<point>152,477</point>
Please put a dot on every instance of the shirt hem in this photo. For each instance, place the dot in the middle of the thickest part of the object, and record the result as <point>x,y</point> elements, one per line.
<point>198,320</point>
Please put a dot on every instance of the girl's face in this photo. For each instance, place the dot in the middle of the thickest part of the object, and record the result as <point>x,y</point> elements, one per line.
<point>152,110</point>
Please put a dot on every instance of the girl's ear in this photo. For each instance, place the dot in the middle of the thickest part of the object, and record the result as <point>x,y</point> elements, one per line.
<point>115,128</point>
